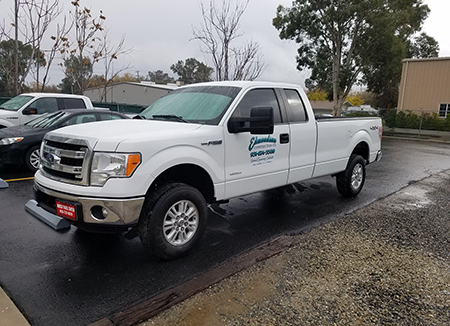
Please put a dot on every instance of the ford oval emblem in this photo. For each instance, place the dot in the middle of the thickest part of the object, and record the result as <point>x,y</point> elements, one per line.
<point>52,158</point>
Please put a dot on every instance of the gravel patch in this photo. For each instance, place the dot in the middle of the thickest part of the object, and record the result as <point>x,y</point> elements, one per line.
<point>385,264</point>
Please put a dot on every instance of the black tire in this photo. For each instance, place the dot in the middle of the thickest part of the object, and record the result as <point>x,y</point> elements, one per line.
<point>170,236</point>
<point>351,181</point>
<point>32,158</point>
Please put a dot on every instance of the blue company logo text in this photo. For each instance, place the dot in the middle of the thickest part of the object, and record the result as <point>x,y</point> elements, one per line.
<point>255,141</point>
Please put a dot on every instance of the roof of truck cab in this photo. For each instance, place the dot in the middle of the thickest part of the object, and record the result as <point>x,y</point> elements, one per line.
<point>53,95</point>
<point>244,84</point>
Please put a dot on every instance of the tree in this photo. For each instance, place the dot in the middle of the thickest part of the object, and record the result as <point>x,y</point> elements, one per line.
<point>110,53</point>
<point>317,95</point>
<point>218,32</point>
<point>355,99</point>
<point>339,39</point>
<point>78,74</point>
<point>192,71</point>
<point>38,15</point>
<point>26,57</point>
<point>160,77</point>
<point>382,75</point>
<point>422,46</point>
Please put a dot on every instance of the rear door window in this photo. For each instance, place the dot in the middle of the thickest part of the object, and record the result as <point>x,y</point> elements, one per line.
<point>73,103</point>
<point>80,118</point>
<point>296,109</point>
<point>109,116</point>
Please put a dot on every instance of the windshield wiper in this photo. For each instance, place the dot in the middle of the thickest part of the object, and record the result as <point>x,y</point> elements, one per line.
<point>169,116</point>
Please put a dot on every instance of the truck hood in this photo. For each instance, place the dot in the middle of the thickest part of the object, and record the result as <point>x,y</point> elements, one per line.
<point>5,114</point>
<point>108,135</point>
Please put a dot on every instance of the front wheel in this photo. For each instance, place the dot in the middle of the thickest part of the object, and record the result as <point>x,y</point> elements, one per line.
<point>32,158</point>
<point>173,220</point>
<point>351,181</point>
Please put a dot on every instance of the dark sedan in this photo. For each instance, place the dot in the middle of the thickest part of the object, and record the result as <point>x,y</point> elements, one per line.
<point>20,144</point>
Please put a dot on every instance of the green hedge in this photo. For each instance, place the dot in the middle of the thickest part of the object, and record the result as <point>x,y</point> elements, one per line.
<point>411,120</point>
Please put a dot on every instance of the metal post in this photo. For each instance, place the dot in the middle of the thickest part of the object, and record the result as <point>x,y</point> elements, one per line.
<point>421,119</point>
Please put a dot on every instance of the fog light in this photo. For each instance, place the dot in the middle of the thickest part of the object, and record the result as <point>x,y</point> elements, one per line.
<point>99,213</point>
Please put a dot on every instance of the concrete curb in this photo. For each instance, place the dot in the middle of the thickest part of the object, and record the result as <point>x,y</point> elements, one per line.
<point>9,314</point>
<point>3,184</point>
<point>55,222</point>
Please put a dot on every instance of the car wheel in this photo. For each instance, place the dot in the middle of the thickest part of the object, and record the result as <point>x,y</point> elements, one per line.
<point>32,158</point>
<point>351,181</point>
<point>173,220</point>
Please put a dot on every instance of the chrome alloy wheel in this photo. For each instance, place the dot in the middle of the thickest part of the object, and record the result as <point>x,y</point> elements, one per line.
<point>357,176</point>
<point>35,158</point>
<point>180,222</point>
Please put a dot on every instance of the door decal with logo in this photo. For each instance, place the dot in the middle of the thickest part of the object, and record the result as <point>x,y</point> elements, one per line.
<point>262,150</point>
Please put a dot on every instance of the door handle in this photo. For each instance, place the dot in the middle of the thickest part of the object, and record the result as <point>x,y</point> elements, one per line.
<point>284,138</point>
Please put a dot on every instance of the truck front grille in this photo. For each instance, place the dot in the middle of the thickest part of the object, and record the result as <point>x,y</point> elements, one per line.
<point>66,159</point>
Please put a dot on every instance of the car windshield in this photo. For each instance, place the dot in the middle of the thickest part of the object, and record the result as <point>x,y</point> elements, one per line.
<point>197,104</point>
<point>37,120</point>
<point>15,103</point>
<point>47,120</point>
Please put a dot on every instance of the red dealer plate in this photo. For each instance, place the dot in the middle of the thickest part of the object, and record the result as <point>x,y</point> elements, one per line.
<point>65,210</point>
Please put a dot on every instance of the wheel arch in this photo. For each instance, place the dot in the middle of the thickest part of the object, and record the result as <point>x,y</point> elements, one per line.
<point>362,149</point>
<point>189,174</point>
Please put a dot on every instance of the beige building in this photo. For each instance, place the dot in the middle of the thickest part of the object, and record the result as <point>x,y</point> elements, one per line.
<point>425,86</point>
<point>144,93</point>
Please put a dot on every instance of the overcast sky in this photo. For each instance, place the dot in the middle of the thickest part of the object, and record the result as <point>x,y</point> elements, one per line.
<point>159,31</point>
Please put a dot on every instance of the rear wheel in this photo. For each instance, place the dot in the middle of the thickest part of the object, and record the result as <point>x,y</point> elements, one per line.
<point>32,158</point>
<point>173,220</point>
<point>351,181</point>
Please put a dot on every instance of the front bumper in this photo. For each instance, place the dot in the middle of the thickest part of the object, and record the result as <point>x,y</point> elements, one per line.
<point>11,155</point>
<point>120,211</point>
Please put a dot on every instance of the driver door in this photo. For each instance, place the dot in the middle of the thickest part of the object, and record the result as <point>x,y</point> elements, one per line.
<point>256,162</point>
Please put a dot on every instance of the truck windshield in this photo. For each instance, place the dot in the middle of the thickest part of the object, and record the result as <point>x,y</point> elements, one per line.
<point>197,104</point>
<point>15,103</point>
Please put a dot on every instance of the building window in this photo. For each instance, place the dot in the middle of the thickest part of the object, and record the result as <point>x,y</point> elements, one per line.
<point>444,109</point>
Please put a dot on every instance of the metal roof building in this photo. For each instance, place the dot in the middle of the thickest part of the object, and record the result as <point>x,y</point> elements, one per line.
<point>425,86</point>
<point>144,93</point>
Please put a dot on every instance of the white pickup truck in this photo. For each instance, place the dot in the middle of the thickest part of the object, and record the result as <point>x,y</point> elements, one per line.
<point>27,106</point>
<point>200,144</point>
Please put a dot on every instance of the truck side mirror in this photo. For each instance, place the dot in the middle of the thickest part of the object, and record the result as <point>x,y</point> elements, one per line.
<point>260,122</point>
<point>29,111</point>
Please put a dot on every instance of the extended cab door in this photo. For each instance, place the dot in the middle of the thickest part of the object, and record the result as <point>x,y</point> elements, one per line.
<point>256,162</point>
<point>303,132</point>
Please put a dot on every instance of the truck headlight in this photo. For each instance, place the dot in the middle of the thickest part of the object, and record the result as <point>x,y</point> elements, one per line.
<point>112,165</point>
<point>9,141</point>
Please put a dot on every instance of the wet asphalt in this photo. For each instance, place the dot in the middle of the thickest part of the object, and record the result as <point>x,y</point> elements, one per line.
<point>76,278</point>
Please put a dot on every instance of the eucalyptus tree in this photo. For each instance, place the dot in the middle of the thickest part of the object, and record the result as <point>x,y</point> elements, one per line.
<point>340,40</point>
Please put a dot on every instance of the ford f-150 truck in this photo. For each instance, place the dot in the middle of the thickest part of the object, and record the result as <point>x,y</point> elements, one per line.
<point>200,144</point>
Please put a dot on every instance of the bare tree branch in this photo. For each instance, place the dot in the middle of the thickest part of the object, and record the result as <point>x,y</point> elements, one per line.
<point>219,29</point>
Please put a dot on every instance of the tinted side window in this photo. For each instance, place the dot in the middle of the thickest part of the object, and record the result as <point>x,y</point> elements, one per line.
<point>81,118</point>
<point>296,109</point>
<point>258,98</point>
<point>74,103</point>
<point>44,105</point>
<point>109,116</point>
